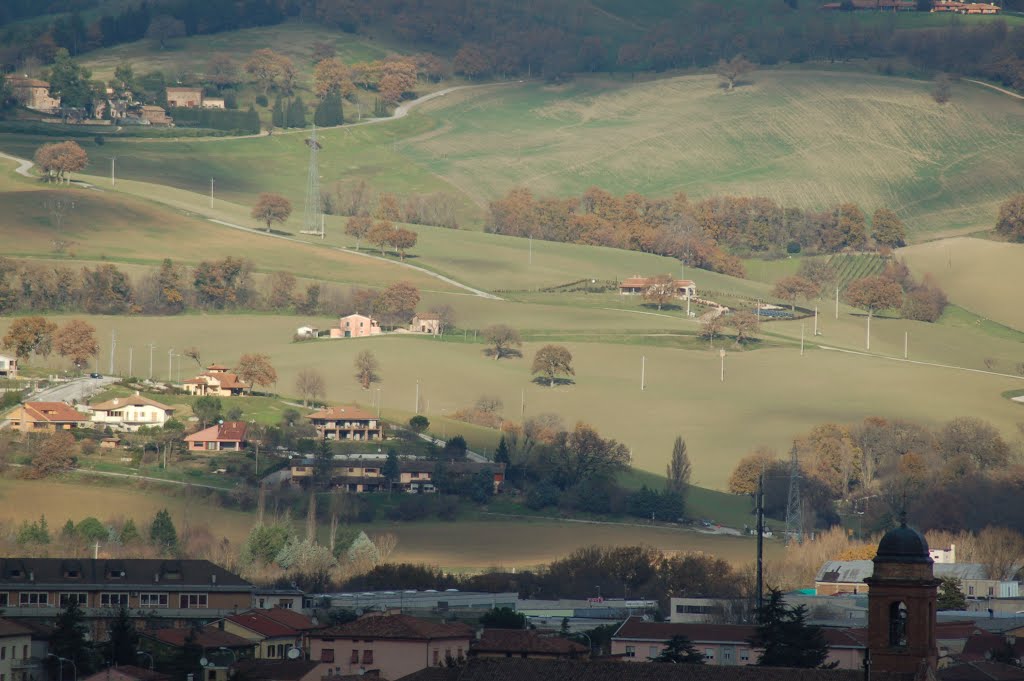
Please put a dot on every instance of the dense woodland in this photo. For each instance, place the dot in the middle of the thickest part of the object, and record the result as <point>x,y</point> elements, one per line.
<point>542,37</point>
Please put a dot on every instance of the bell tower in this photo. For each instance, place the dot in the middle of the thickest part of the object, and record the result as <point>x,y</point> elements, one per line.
<point>902,595</point>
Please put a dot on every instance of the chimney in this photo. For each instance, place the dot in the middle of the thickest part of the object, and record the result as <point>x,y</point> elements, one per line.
<point>156,577</point>
<point>213,579</point>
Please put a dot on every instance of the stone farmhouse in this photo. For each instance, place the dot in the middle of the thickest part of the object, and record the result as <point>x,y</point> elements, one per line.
<point>356,326</point>
<point>33,94</point>
<point>192,98</point>
<point>637,285</point>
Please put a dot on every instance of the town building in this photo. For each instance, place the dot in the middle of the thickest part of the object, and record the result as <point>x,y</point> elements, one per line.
<point>426,322</point>
<point>355,326</point>
<point>16,663</point>
<point>279,599</point>
<point>8,367</point>
<point>636,285</point>
<point>127,672</point>
<point>526,643</point>
<point>45,417</point>
<point>216,381</point>
<point>221,650</point>
<point>346,423</point>
<point>272,637</point>
<point>172,589</point>
<point>229,436</point>
<point>853,577</point>
<point>395,645</point>
<point>279,670</point>
<point>131,413</point>
<point>34,94</point>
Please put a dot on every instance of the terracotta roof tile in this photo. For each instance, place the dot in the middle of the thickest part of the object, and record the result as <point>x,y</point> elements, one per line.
<point>275,670</point>
<point>397,626</point>
<point>12,628</point>
<point>343,412</point>
<point>981,671</point>
<point>132,400</point>
<point>212,638</point>
<point>290,618</point>
<point>55,412</point>
<point>519,641</point>
<point>256,621</point>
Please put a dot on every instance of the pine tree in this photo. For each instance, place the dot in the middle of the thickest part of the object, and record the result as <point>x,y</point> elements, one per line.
<point>162,533</point>
<point>277,116</point>
<point>123,640</point>
<point>129,532</point>
<point>680,650</point>
<point>296,114</point>
<point>391,469</point>
<point>785,636</point>
<point>252,120</point>
<point>679,469</point>
<point>951,595</point>
<point>69,638</point>
<point>501,454</point>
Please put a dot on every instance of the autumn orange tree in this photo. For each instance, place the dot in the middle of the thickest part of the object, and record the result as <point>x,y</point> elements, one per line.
<point>28,335</point>
<point>359,226</point>
<point>872,294</point>
<point>271,208</point>
<point>59,159</point>
<point>1010,222</point>
<point>552,360</point>
<point>793,287</point>
<point>77,341</point>
<point>661,290</point>
<point>402,240</point>
<point>256,369</point>
<point>332,76</point>
<point>380,234</point>
<point>397,303</point>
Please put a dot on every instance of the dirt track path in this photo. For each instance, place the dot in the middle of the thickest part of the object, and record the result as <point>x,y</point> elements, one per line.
<point>995,87</point>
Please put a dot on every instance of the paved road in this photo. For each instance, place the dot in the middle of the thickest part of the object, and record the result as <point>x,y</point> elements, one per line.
<point>470,454</point>
<point>79,389</point>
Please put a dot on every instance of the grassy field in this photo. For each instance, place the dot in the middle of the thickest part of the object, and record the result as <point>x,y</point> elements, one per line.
<point>683,394</point>
<point>811,138</point>
<point>468,545</point>
<point>982,276</point>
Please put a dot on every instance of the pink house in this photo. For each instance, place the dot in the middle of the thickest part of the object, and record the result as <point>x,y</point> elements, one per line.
<point>394,645</point>
<point>356,326</point>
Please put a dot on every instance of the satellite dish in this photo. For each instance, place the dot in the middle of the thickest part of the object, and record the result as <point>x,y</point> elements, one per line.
<point>203,662</point>
<point>294,653</point>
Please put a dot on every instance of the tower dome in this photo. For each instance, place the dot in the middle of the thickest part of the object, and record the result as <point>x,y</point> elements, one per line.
<point>903,545</point>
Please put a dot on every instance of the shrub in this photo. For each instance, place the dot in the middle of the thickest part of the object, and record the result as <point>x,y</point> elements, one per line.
<point>261,100</point>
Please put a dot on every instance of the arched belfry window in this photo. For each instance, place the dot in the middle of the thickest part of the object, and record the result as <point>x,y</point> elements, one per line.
<point>898,624</point>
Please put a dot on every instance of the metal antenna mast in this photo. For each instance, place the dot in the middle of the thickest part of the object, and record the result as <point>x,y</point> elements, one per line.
<point>794,509</point>
<point>313,219</point>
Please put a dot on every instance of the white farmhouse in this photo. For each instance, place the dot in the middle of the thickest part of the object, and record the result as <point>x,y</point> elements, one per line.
<point>131,413</point>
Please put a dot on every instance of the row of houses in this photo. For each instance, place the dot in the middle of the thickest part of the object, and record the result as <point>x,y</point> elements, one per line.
<point>362,326</point>
<point>415,476</point>
<point>912,6</point>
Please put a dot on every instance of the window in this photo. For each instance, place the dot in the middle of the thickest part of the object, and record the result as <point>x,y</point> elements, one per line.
<point>38,599</point>
<point>991,591</point>
<point>3,652</point>
<point>3,599</point>
<point>970,591</point>
<point>367,657</point>
<point>24,652</point>
<point>192,601</point>
<point>211,675</point>
<point>327,655</point>
<point>436,655</point>
<point>79,598</point>
<point>113,600</point>
<point>744,656</point>
<point>898,624</point>
<point>285,603</point>
<point>709,653</point>
<point>630,651</point>
<point>653,652</point>
<point>153,600</point>
<point>355,657</point>
<point>270,651</point>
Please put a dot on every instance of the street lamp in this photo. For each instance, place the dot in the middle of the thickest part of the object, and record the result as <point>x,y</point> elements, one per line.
<point>143,652</point>
<point>589,640</point>
<point>60,662</point>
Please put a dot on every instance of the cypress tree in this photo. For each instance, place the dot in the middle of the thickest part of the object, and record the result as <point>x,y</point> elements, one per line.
<point>277,117</point>
<point>296,117</point>
<point>252,120</point>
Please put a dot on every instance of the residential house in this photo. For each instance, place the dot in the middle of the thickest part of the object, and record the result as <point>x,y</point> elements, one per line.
<point>154,115</point>
<point>8,366</point>
<point>876,5</point>
<point>16,663</point>
<point>216,381</point>
<point>636,285</point>
<point>847,577</point>
<point>966,7</point>
<point>356,326</point>
<point>131,413</point>
<point>272,638</point>
<point>228,436</point>
<point>128,672</point>
<point>725,644</point>
<point>172,589</point>
<point>278,670</point>
<point>396,645</point>
<point>525,643</point>
<point>981,645</point>
<point>306,332</point>
<point>213,103</point>
<point>221,650</point>
<point>188,97</point>
<point>346,423</point>
<point>518,669</point>
<point>45,417</point>
<point>426,322</point>
<point>33,94</point>
<point>418,476</point>
<point>278,600</point>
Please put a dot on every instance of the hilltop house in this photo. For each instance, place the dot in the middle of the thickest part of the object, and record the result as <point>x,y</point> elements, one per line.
<point>45,417</point>
<point>228,436</point>
<point>396,645</point>
<point>131,413</point>
<point>216,381</point>
<point>33,94</point>
<point>346,423</point>
<point>426,322</point>
<point>636,285</point>
<point>356,326</point>
<point>150,114</point>
<point>8,366</point>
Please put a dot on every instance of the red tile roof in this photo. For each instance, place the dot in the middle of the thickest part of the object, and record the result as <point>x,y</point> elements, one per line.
<point>637,628</point>
<point>403,627</point>
<point>979,645</point>
<point>54,412</point>
<point>525,641</point>
<point>256,621</point>
<point>290,618</point>
<point>346,412</point>
<point>127,672</point>
<point>212,638</point>
<point>275,670</point>
<point>12,628</point>
<point>132,401</point>
<point>981,671</point>
<point>229,431</point>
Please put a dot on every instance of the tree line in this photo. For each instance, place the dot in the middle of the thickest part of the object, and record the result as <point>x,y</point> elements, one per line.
<point>173,288</point>
<point>696,232</point>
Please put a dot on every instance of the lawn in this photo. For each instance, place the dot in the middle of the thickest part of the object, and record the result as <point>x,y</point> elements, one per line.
<point>980,275</point>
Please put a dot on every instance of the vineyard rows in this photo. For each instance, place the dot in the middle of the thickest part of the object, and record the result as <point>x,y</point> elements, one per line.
<point>851,267</point>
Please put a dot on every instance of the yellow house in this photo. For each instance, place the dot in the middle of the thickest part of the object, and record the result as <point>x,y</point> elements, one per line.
<point>272,639</point>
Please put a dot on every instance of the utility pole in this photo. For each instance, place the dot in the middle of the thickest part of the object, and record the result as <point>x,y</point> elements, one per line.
<point>837,302</point>
<point>131,357</point>
<point>151,348</point>
<point>113,180</point>
<point>815,320</point>
<point>522,403</point>
<point>760,543</point>
<point>794,507</point>
<point>211,192</point>
<point>417,410</point>
<point>96,551</point>
<point>170,369</point>
<point>721,354</point>
<point>643,372</point>
<point>906,344</point>
<point>802,339</point>
<point>113,346</point>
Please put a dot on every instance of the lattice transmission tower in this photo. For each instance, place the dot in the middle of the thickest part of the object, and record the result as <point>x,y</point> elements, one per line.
<point>313,218</point>
<point>794,508</point>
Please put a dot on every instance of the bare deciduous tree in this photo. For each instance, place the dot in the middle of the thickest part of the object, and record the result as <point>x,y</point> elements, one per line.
<point>310,384</point>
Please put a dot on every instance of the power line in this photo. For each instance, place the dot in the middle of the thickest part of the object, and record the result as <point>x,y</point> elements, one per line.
<point>313,218</point>
<point>794,508</point>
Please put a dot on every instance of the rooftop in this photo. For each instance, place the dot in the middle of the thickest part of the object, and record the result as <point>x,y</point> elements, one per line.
<point>856,571</point>
<point>397,627</point>
<point>520,641</point>
<point>102,573</point>
<point>135,400</point>
<point>229,431</point>
<point>275,670</point>
<point>55,412</point>
<point>343,413</point>
<point>207,638</point>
